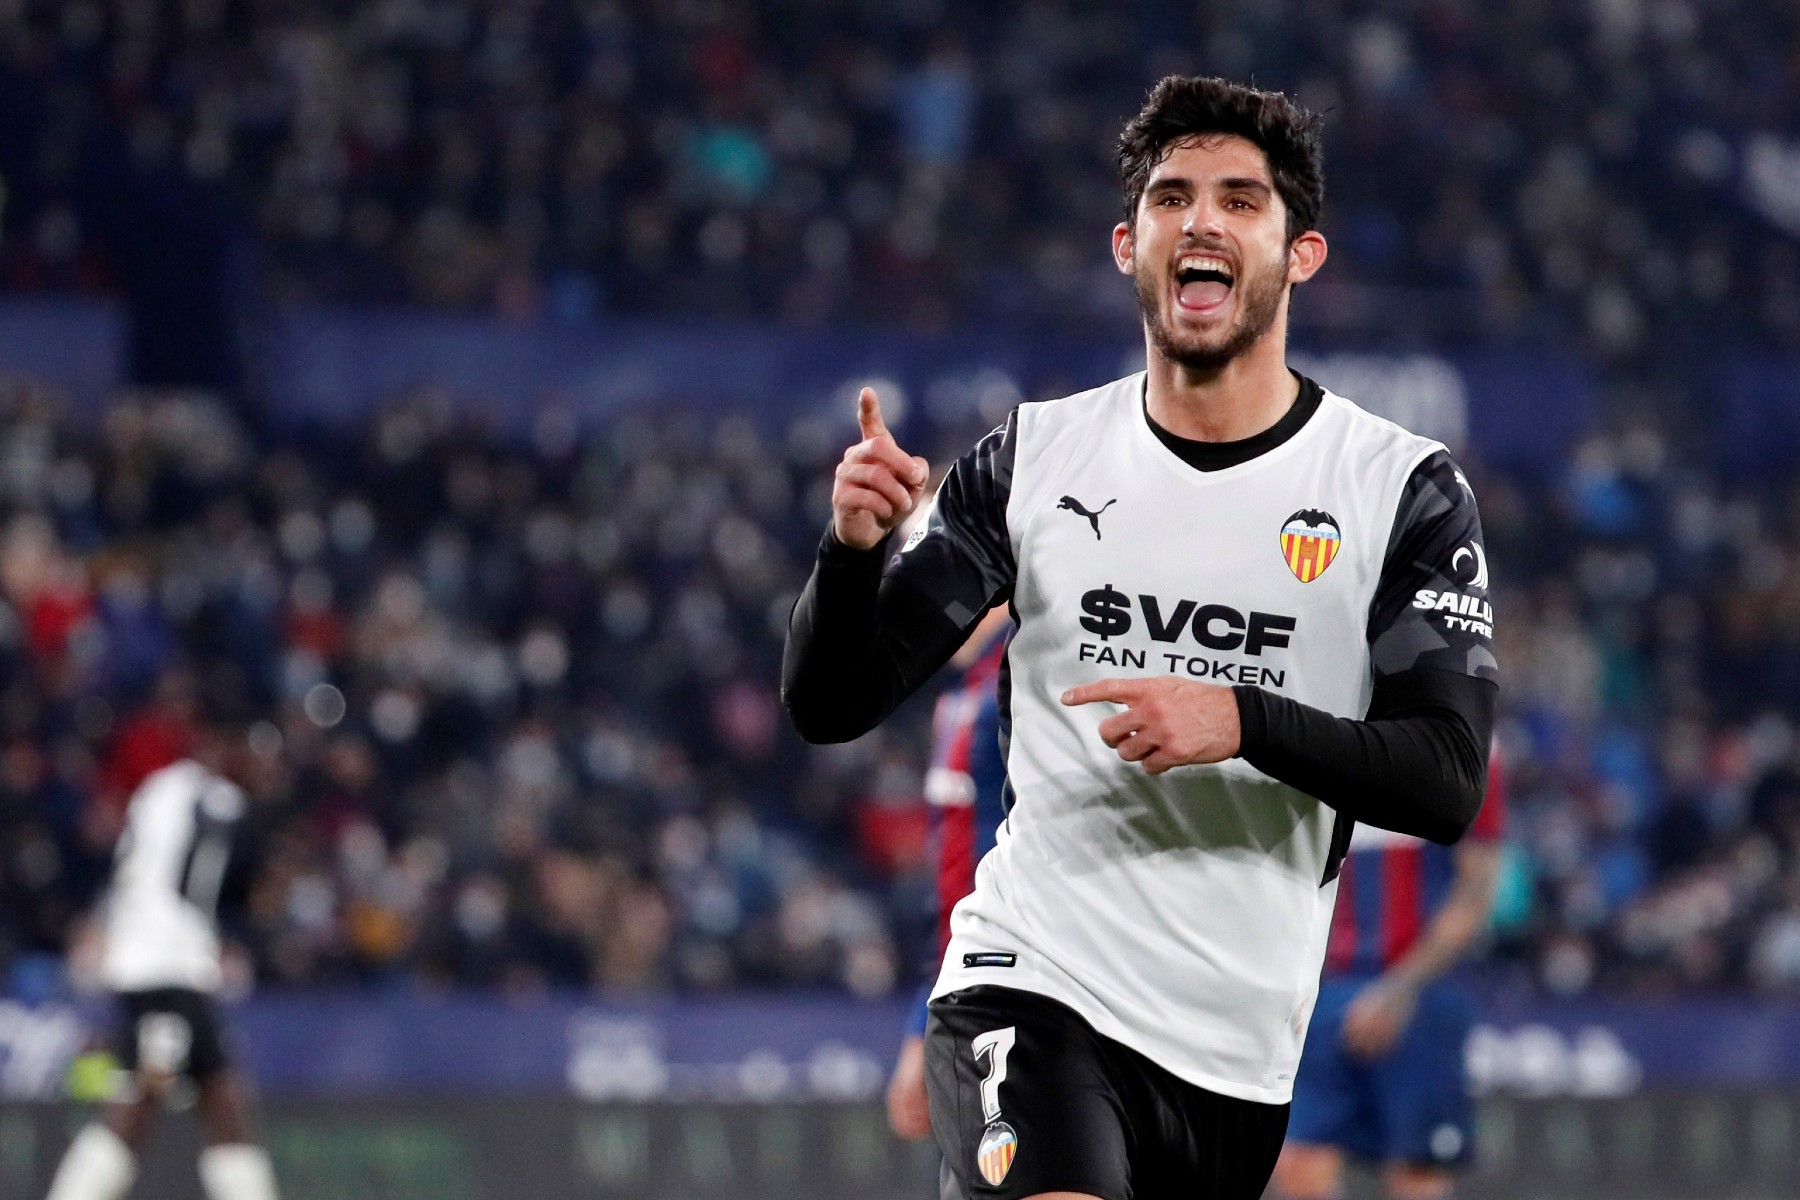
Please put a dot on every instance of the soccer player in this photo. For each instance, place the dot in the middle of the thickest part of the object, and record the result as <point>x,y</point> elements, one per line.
<point>162,963</point>
<point>1382,1076</point>
<point>963,787</point>
<point>1249,616</point>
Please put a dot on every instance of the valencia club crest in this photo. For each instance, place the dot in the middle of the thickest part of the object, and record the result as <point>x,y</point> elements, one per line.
<point>1309,541</point>
<point>999,1145</point>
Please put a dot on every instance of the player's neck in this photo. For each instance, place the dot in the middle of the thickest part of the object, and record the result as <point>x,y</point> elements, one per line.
<point>1240,400</point>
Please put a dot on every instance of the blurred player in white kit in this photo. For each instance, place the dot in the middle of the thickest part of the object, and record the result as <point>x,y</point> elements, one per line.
<point>162,964</point>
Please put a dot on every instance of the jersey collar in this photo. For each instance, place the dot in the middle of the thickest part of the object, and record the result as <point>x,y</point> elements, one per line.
<point>1216,456</point>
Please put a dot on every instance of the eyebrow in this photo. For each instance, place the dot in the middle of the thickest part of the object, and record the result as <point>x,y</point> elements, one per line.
<point>1235,183</point>
<point>1246,184</point>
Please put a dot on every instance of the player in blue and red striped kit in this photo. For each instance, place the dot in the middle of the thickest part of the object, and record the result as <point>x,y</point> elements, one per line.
<point>1381,1077</point>
<point>964,787</point>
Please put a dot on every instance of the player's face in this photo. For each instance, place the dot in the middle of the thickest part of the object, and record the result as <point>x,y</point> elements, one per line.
<point>1209,252</point>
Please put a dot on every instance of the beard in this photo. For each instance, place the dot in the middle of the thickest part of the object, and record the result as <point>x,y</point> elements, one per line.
<point>1261,305</point>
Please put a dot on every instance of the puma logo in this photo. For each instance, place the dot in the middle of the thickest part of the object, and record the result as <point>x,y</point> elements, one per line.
<point>1075,506</point>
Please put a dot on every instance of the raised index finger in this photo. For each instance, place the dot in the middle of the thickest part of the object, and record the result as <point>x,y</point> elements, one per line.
<point>868,414</point>
<point>879,443</point>
<point>1118,691</point>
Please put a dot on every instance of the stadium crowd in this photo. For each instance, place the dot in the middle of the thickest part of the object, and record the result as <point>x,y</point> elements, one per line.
<point>521,698</point>
<point>518,697</point>
<point>923,163</point>
<point>519,704</point>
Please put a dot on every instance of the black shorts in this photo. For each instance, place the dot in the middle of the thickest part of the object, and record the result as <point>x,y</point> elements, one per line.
<point>175,1031</point>
<point>1027,1098</point>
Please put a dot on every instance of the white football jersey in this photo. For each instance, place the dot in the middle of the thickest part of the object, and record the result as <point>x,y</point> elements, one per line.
<point>1184,915</point>
<point>168,869</point>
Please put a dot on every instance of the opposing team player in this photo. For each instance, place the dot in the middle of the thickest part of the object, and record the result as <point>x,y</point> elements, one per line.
<point>1382,1076</point>
<point>1250,615</point>
<point>963,787</point>
<point>162,962</point>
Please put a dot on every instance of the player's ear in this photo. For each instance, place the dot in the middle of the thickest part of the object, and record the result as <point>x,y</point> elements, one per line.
<point>1123,247</point>
<point>1305,256</point>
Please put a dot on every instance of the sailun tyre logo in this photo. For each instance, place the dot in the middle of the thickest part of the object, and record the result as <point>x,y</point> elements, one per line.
<point>1310,540</point>
<point>999,1146</point>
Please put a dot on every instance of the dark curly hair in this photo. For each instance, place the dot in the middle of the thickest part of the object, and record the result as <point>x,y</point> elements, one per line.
<point>1185,106</point>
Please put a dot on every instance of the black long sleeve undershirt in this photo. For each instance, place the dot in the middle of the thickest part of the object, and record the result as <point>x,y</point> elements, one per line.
<point>858,645</point>
<point>1417,764</point>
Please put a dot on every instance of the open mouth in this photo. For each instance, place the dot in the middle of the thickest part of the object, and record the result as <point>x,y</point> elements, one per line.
<point>1202,281</point>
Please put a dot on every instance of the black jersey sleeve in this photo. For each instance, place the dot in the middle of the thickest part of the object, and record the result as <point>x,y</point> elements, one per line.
<point>217,813</point>
<point>863,637</point>
<point>1431,605</point>
<point>1418,762</point>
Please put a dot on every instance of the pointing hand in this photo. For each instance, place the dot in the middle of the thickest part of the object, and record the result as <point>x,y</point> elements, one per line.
<point>878,484</point>
<point>1167,722</point>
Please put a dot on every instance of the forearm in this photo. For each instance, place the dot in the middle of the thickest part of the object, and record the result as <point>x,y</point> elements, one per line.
<point>1440,947</point>
<point>857,646</point>
<point>1459,923</point>
<point>920,1012</point>
<point>1417,765</point>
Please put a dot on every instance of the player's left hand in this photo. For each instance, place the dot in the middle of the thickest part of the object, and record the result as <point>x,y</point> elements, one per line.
<point>909,1110</point>
<point>1167,722</point>
<point>1377,1017</point>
